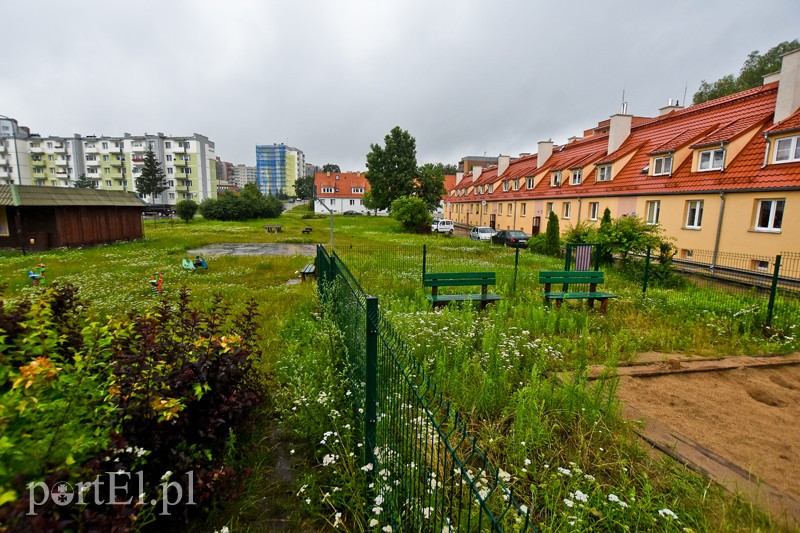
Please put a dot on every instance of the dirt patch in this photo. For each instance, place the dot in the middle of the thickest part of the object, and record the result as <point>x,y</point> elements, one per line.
<point>257,248</point>
<point>749,416</point>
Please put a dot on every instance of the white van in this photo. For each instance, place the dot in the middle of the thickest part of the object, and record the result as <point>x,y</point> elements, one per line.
<point>444,225</point>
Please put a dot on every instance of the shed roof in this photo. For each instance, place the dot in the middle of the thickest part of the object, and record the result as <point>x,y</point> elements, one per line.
<point>37,195</point>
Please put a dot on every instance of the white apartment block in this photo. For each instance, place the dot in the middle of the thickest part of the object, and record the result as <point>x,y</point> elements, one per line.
<point>244,174</point>
<point>113,163</point>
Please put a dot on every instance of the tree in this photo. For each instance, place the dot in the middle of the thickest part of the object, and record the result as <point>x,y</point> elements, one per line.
<point>85,183</point>
<point>304,188</point>
<point>604,252</point>
<point>391,170</point>
<point>553,242</point>
<point>368,201</point>
<point>186,210</point>
<point>151,182</point>
<point>412,213</point>
<point>330,167</point>
<point>448,169</point>
<point>429,185</point>
<point>751,74</point>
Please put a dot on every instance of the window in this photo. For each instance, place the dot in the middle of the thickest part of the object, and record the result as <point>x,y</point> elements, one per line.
<point>52,171</point>
<point>662,165</point>
<point>186,171</point>
<point>530,183</point>
<point>328,190</point>
<point>505,186</point>
<point>594,209</point>
<point>167,144</point>
<point>184,145</point>
<point>358,190</point>
<point>577,176</point>
<point>759,265</point>
<point>170,170</point>
<point>332,201</point>
<point>50,158</point>
<point>490,188</point>
<point>186,158</point>
<point>567,209</point>
<point>523,209</point>
<point>108,183</point>
<point>499,208</point>
<point>769,216</point>
<point>688,254</point>
<point>38,170</point>
<point>352,202</point>
<point>49,145</point>
<point>694,214</point>
<point>787,150</point>
<point>510,210</point>
<point>549,208</point>
<point>105,146</point>
<point>653,210</point>
<point>151,145</point>
<point>107,170</point>
<point>91,158</point>
<point>516,185</point>
<point>168,157</point>
<point>556,180</point>
<point>171,183</point>
<point>604,173</point>
<point>711,159</point>
<point>92,170</point>
<point>39,182</point>
<point>105,158</point>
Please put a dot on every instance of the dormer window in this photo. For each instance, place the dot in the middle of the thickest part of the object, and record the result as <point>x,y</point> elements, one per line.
<point>577,176</point>
<point>505,186</point>
<point>662,165</point>
<point>358,190</point>
<point>711,160</point>
<point>489,188</point>
<point>604,173</point>
<point>787,150</point>
<point>530,183</point>
<point>556,179</point>
<point>516,185</point>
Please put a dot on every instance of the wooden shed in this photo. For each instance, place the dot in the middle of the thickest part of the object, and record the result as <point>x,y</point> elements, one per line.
<point>34,217</point>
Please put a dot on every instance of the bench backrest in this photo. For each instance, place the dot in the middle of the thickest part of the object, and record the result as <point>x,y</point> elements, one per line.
<point>458,279</point>
<point>571,276</point>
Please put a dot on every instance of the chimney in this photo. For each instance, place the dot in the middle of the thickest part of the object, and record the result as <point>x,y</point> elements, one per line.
<point>502,164</point>
<point>619,129</point>
<point>573,139</point>
<point>459,177</point>
<point>669,108</point>
<point>788,100</point>
<point>476,172</point>
<point>545,151</point>
<point>524,154</point>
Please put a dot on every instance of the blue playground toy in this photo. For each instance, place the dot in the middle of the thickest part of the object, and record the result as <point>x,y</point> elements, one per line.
<point>193,264</point>
<point>37,274</point>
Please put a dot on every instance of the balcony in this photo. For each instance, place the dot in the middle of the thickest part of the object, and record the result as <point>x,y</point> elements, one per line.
<point>61,163</point>
<point>88,150</point>
<point>5,173</point>
<point>36,149</point>
<point>180,163</point>
<point>3,148</point>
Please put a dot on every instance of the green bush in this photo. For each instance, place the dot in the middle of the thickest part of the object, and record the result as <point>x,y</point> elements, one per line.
<point>553,236</point>
<point>244,206</point>
<point>186,209</point>
<point>412,213</point>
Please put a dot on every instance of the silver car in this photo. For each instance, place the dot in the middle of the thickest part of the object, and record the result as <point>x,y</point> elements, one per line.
<point>481,233</point>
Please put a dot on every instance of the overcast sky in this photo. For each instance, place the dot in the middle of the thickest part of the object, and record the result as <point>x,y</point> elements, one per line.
<point>330,77</point>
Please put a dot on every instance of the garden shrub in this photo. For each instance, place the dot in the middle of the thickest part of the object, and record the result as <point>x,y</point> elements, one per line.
<point>412,213</point>
<point>247,205</point>
<point>161,393</point>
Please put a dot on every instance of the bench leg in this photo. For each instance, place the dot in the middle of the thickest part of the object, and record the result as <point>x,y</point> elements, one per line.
<point>302,276</point>
<point>591,303</point>
<point>558,303</point>
<point>603,305</point>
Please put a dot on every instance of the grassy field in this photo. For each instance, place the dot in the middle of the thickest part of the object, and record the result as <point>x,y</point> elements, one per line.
<point>496,367</point>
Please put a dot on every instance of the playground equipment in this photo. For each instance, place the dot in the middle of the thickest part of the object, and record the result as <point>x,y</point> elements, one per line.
<point>157,283</point>
<point>37,274</point>
<point>193,264</point>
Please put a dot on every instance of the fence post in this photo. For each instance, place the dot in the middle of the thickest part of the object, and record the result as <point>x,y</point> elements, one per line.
<point>371,396</point>
<point>424,260</point>
<point>773,289</point>
<point>646,272</point>
<point>516,265</point>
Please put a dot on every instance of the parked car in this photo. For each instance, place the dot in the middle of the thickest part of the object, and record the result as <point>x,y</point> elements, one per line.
<point>351,213</point>
<point>444,225</point>
<point>511,237</point>
<point>481,233</point>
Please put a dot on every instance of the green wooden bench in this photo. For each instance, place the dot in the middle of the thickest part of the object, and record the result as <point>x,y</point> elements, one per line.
<point>575,277</point>
<point>460,279</point>
<point>308,270</point>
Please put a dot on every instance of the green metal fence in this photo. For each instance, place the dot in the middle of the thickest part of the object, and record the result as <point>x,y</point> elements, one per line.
<point>424,471</point>
<point>763,287</point>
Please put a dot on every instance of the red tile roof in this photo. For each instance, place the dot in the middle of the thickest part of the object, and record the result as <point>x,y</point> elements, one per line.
<point>715,121</point>
<point>343,185</point>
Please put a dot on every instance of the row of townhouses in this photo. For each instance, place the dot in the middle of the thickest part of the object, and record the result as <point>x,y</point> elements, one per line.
<point>722,176</point>
<point>113,163</point>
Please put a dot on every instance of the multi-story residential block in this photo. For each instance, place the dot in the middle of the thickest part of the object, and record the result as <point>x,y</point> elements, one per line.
<point>243,175</point>
<point>113,163</point>
<point>719,176</point>
<point>277,168</point>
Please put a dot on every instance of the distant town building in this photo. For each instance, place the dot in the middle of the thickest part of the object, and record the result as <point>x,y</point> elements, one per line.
<point>243,174</point>
<point>340,191</point>
<point>277,168</point>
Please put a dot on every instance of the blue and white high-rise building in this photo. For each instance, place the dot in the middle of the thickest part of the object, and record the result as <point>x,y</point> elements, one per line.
<point>277,168</point>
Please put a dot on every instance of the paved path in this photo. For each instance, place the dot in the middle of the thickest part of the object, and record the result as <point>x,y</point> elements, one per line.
<point>256,248</point>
